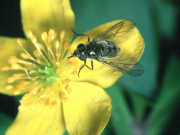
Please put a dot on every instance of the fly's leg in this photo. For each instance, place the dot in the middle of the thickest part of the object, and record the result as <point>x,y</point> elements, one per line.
<point>86,66</point>
<point>80,34</point>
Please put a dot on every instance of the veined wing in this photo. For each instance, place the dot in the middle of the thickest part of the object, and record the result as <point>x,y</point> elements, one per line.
<point>118,33</point>
<point>123,63</point>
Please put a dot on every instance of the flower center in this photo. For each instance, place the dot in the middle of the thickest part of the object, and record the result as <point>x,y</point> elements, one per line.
<point>43,76</point>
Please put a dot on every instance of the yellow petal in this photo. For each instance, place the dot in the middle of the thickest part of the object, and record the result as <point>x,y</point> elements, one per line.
<point>102,75</point>
<point>42,15</point>
<point>38,121</point>
<point>88,109</point>
<point>9,47</point>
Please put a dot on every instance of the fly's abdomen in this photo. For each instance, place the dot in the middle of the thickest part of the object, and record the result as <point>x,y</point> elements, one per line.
<point>109,49</point>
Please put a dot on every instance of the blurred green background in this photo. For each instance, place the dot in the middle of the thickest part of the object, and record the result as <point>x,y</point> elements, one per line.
<point>144,105</point>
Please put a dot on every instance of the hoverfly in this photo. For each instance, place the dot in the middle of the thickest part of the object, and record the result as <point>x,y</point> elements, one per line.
<point>105,49</point>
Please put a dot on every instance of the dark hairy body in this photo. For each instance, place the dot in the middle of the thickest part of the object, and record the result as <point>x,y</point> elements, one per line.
<point>104,49</point>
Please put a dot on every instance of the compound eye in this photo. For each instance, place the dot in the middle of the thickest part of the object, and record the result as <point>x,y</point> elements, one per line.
<point>81,47</point>
<point>83,56</point>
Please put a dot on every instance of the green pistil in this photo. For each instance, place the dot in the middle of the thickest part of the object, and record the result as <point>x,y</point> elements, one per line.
<point>47,75</point>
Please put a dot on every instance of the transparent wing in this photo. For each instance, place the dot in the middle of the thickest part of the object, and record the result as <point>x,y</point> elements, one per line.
<point>118,33</point>
<point>123,63</point>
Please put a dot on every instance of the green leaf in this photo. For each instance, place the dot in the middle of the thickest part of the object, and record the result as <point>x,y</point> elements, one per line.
<point>121,116</point>
<point>65,133</point>
<point>5,122</point>
<point>167,17</point>
<point>167,100</point>
<point>139,104</point>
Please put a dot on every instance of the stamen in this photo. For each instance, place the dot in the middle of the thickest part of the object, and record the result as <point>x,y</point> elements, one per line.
<point>63,96</point>
<point>22,82</point>
<point>13,60</point>
<point>52,34</point>
<point>4,68</point>
<point>11,80</point>
<point>16,91</point>
<point>67,88</point>
<point>41,101</point>
<point>36,54</point>
<point>56,43</point>
<point>25,56</point>
<point>77,64</point>
<point>65,99</point>
<point>22,102</point>
<point>66,45</point>
<point>34,104</point>
<point>74,73</point>
<point>8,87</point>
<point>33,39</point>
<point>54,104</point>
<point>67,80</point>
<point>46,102</point>
<point>49,88</point>
<point>33,90</point>
<point>18,75</point>
<point>44,36</point>
<point>19,42</point>
<point>26,96</point>
<point>22,107</point>
<point>46,71</point>
<point>58,54</point>
<point>69,65</point>
<point>58,70</point>
<point>29,34</point>
<point>62,34</point>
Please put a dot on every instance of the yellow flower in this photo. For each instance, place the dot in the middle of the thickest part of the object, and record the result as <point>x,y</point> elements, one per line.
<point>55,97</point>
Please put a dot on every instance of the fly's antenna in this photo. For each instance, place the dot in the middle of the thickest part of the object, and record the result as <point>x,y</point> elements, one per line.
<point>81,34</point>
<point>70,57</point>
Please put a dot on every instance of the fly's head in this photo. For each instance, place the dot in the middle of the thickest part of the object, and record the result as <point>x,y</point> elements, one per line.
<point>80,52</point>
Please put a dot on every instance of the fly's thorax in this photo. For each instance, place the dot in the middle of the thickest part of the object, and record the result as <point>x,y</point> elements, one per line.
<point>109,49</point>
<point>94,50</point>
